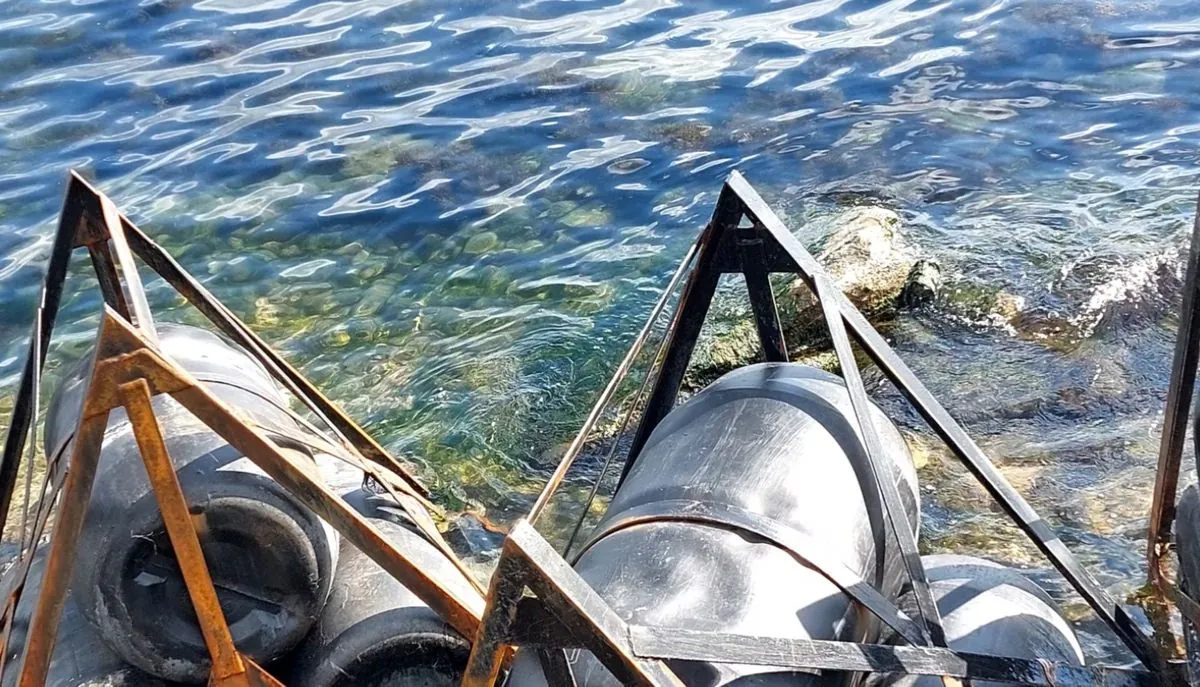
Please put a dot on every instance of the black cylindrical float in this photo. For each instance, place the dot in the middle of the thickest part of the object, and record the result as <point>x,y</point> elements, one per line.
<point>988,608</point>
<point>80,657</point>
<point>271,559</point>
<point>778,441</point>
<point>1187,536</point>
<point>1187,547</point>
<point>375,632</point>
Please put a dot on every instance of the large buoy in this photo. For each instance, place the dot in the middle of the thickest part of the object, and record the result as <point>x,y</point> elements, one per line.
<point>80,657</point>
<point>375,632</point>
<point>988,608</point>
<point>271,559</point>
<point>768,442</point>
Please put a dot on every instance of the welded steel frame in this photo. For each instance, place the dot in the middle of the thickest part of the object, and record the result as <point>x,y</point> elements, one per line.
<point>1180,393</point>
<point>744,236</point>
<point>538,602</point>
<point>128,370</point>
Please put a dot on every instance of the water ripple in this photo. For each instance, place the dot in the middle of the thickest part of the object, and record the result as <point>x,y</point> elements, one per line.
<point>453,215</point>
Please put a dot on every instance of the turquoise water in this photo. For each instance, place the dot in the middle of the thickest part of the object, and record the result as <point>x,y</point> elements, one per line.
<point>454,216</point>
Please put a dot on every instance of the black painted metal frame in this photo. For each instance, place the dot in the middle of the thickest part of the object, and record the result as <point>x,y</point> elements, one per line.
<point>1175,423</point>
<point>782,252</point>
<point>564,614</point>
<point>744,236</point>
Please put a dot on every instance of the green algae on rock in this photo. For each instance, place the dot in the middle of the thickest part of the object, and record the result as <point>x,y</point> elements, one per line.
<point>687,134</point>
<point>587,217</point>
<point>483,242</point>
<point>380,157</point>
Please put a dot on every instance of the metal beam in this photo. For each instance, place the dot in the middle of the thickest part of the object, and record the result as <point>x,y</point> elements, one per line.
<point>229,667</point>
<point>762,298</point>
<point>690,313</point>
<point>807,654</point>
<point>893,507</point>
<point>959,442</point>
<point>69,222</point>
<point>1179,402</point>
<point>354,438</point>
<point>528,561</point>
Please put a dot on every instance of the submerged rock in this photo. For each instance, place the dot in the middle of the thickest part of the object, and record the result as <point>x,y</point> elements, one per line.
<point>923,284</point>
<point>1090,298</point>
<point>868,258</point>
<point>587,217</point>
<point>982,305</point>
<point>483,242</point>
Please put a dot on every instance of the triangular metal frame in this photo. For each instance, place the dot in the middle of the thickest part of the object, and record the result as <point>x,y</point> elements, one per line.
<point>781,251</point>
<point>127,371</point>
<point>744,236</point>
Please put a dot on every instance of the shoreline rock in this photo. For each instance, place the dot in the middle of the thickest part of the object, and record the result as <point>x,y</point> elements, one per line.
<point>867,255</point>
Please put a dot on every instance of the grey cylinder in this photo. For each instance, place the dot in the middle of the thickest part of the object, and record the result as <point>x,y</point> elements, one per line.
<point>375,632</point>
<point>1187,537</point>
<point>1187,542</point>
<point>988,608</point>
<point>778,440</point>
<point>271,559</point>
<point>80,657</point>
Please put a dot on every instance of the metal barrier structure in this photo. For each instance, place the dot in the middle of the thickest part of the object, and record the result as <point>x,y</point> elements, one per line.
<point>744,236</point>
<point>128,370</point>
<point>1174,433</point>
<point>536,601</point>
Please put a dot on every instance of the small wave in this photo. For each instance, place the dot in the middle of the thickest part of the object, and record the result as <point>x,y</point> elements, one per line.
<point>1136,288</point>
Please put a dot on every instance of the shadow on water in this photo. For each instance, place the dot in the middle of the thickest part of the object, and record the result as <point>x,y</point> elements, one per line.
<point>454,217</point>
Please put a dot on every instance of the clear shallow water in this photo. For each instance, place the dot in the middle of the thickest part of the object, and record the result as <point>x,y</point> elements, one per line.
<point>454,216</point>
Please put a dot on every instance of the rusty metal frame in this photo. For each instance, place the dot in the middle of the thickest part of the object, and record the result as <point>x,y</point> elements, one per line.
<point>127,371</point>
<point>744,236</point>
<point>568,613</point>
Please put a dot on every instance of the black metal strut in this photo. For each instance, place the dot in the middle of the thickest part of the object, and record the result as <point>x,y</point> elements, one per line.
<point>723,250</point>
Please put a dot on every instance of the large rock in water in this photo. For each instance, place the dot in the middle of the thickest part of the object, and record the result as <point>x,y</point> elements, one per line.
<point>868,257</point>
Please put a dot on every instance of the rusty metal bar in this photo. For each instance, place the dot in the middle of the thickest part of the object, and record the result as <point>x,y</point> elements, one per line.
<point>954,435</point>
<point>581,610</point>
<point>226,662</point>
<point>80,473</point>
<point>529,559</point>
<point>126,353</point>
<point>1188,607</point>
<point>298,478</point>
<point>1179,402</point>
<point>43,627</point>
<point>488,648</point>
<point>18,575</point>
